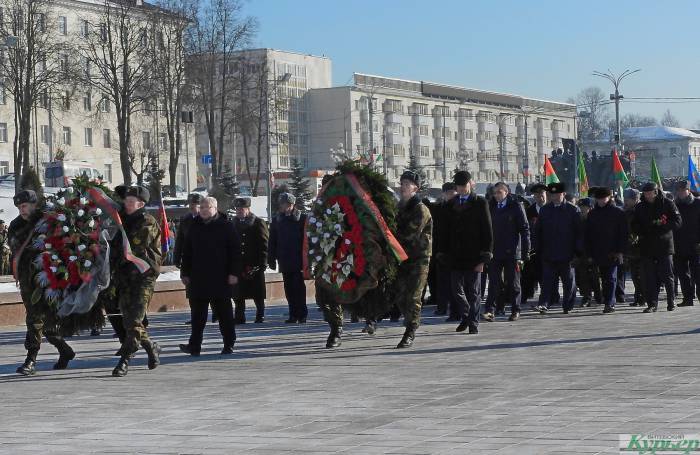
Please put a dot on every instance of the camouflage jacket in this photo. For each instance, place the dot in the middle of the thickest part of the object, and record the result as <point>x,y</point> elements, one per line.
<point>18,232</point>
<point>143,233</point>
<point>414,230</point>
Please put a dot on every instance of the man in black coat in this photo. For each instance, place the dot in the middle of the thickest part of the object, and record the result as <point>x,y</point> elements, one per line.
<point>655,219</point>
<point>193,201</point>
<point>686,240</point>
<point>532,271</point>
<point>443,288</point>
<point>210,269</point>
<point>286,249</point>
<point>511,233</point>
<point>558,240</point>
<point>466,245</point>
<point>254,236</point>
<point>606,238</point>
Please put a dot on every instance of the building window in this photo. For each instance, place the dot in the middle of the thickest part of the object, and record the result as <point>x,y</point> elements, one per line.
<point>146,140</point>
<point>84,28</point>
<point>104,104</point>
<point>420,109</point>
<point>62,25</point>
<point>163,141</point>
<point>357,127</point>
<point>108,172</point>
<point>88,137</point>
<point>87,102</point>
<point>44,134</point>
<point>3,94</point>
<point>106,139</point>
<point>4,167</point>
<point>423,130</point>
<point>41,22</point>
<point>66,100</point>
<point>66,135</point>
<point>425,151</point>
<point>3,132</point>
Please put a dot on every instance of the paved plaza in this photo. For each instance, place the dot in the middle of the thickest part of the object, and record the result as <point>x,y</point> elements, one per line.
<point>550,384</point>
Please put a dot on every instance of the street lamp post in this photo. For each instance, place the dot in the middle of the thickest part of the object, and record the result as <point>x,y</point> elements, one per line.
<point>616,97</point>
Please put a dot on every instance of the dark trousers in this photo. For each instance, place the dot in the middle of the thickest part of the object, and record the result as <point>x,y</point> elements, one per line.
<point>466,293</point>
<point>295,291</point>
<point>686,268</point>
<point>240,308</point>
<point>620,284</point>
<point>445,302</point>
<point>608,281</point>
<point>199,309</point>
<point>552,272</point>
<point>657,272</point>
<point>504,284</point>
<point>531,277</point>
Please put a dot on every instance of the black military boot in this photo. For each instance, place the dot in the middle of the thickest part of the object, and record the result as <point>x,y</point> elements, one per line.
<point>122,367</point>
<point>153,350</point>
<point>334,337</point>
<point>65,354</point>
<point>28,368</point>
<point>370,327</point>
<point>408,336</point>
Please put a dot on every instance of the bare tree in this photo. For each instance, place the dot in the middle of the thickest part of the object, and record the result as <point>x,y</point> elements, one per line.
<point>593,123</point>
<point>632,120</point>
<point>668,119</point>
<point>220,30</point>
<point>116,64</point>
<point>169,25</point>
<point>34,64</point>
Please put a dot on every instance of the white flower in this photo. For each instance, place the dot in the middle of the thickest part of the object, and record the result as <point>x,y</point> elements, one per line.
<point>91,223</point>
<point>318,258</point>
<point>350,259</point>
<point>61,217</point>
<point>326,235</point>
<point>81,212</point>
<point>98,211</point>
<point>87,263</point>
<point>336,207</point>
<point>66,229</point>
<point>49,204</point>
<point>54,257</point>
<point>83,201</point>
<point>81,247</point>
<point>72,258</point>
<point>47,246</point>
<point>314,239</point>
<point>338,227</point>
<point>328,211</point>
<point>319,201</point>
<point>346,270</point>
<point>53,269</point>
<point>312,220</point>
<point>60,201</point>
<point>69,189</point>
<point>319,224</point>
<point>347,241</point>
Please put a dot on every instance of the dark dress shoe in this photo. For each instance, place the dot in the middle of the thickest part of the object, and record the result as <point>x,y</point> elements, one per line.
<point>259,320</point>
<point>333,340</point>
<point>686,303</point>
<point>95,332</point>
<point>28,368</point>
<point>301,321</point>
<point>670,307</point>
<point>370,328</point>
<point>153,350</point>
<point>514,317</point>
<point>291,321</point>
<point>187,349</point>
<point>608,309</point>
<point>473,330</point>
<point>227,350</point>
<point>66,354</point>
<point>650,309</point>
<point>407,339</point>
<point>565,311</point>
<point>462,326</point>
<point>122,368</point>
<point>239,321</point>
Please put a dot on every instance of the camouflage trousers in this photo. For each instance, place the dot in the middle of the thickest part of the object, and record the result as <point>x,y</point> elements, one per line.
<point>408,288</point>
<point>134,293</point>
<point>36,320</point>
<point>332,310</point>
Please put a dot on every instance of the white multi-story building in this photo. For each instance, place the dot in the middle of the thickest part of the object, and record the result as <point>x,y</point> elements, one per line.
<point>493,135</point>
<point>80,125</point>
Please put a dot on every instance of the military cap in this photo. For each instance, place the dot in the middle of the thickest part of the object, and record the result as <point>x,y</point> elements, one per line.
<point>602,192</point>
<point>448,186</point>
<point>242,203</point>
<point>288,198</point>
<point>681,185</point>
<point>194,198</point>
<point>650,186</point>
<point>537,187</point>
<point>585,202</point>
<point>25,196</point>
<point>461,178</point>
<point>556,188</point>
<point>411,176</point>
<point>631,193</point>
<point>139,192</point>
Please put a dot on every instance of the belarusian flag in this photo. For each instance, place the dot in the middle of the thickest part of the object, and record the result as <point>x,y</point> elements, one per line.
<point>582,177</point>
<point>655,175</point>
<point>549,175</point>
<point>619,171</point>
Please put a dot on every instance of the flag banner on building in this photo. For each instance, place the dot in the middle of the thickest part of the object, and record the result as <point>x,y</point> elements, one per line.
<point>618,171</point>
<point>655,175</point>
<point>166,239</point>
<point>693,176</point>
<point>549,175</point>
<point>582,177</point>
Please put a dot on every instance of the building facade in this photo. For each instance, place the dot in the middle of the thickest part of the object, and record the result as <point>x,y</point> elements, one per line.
<point>495,136</point>
<point>79,125</point>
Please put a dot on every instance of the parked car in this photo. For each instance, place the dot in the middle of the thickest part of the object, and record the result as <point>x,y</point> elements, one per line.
<point>179,192</point>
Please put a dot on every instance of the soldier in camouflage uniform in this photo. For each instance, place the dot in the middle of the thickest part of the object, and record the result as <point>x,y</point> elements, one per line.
<point>414,232</point>
<point>5,254</point>
<point>39,317</point>
<point>133,288</point>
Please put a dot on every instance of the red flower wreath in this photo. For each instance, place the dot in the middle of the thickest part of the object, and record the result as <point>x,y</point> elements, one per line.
<point>350,243</point>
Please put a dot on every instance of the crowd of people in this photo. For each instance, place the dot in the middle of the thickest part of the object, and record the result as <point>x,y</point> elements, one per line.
<point>464,248</point>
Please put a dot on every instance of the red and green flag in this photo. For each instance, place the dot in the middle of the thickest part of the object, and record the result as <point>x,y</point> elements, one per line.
<point>655,175</point>
<point>582,177</point>
<point>549,175</point>
<point>619,171</point>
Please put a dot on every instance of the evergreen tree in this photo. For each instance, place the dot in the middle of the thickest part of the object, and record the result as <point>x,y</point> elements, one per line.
<point>418,169</point>
<point>226,189</point>
<point>30,181</point>
<point>300,186</point>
